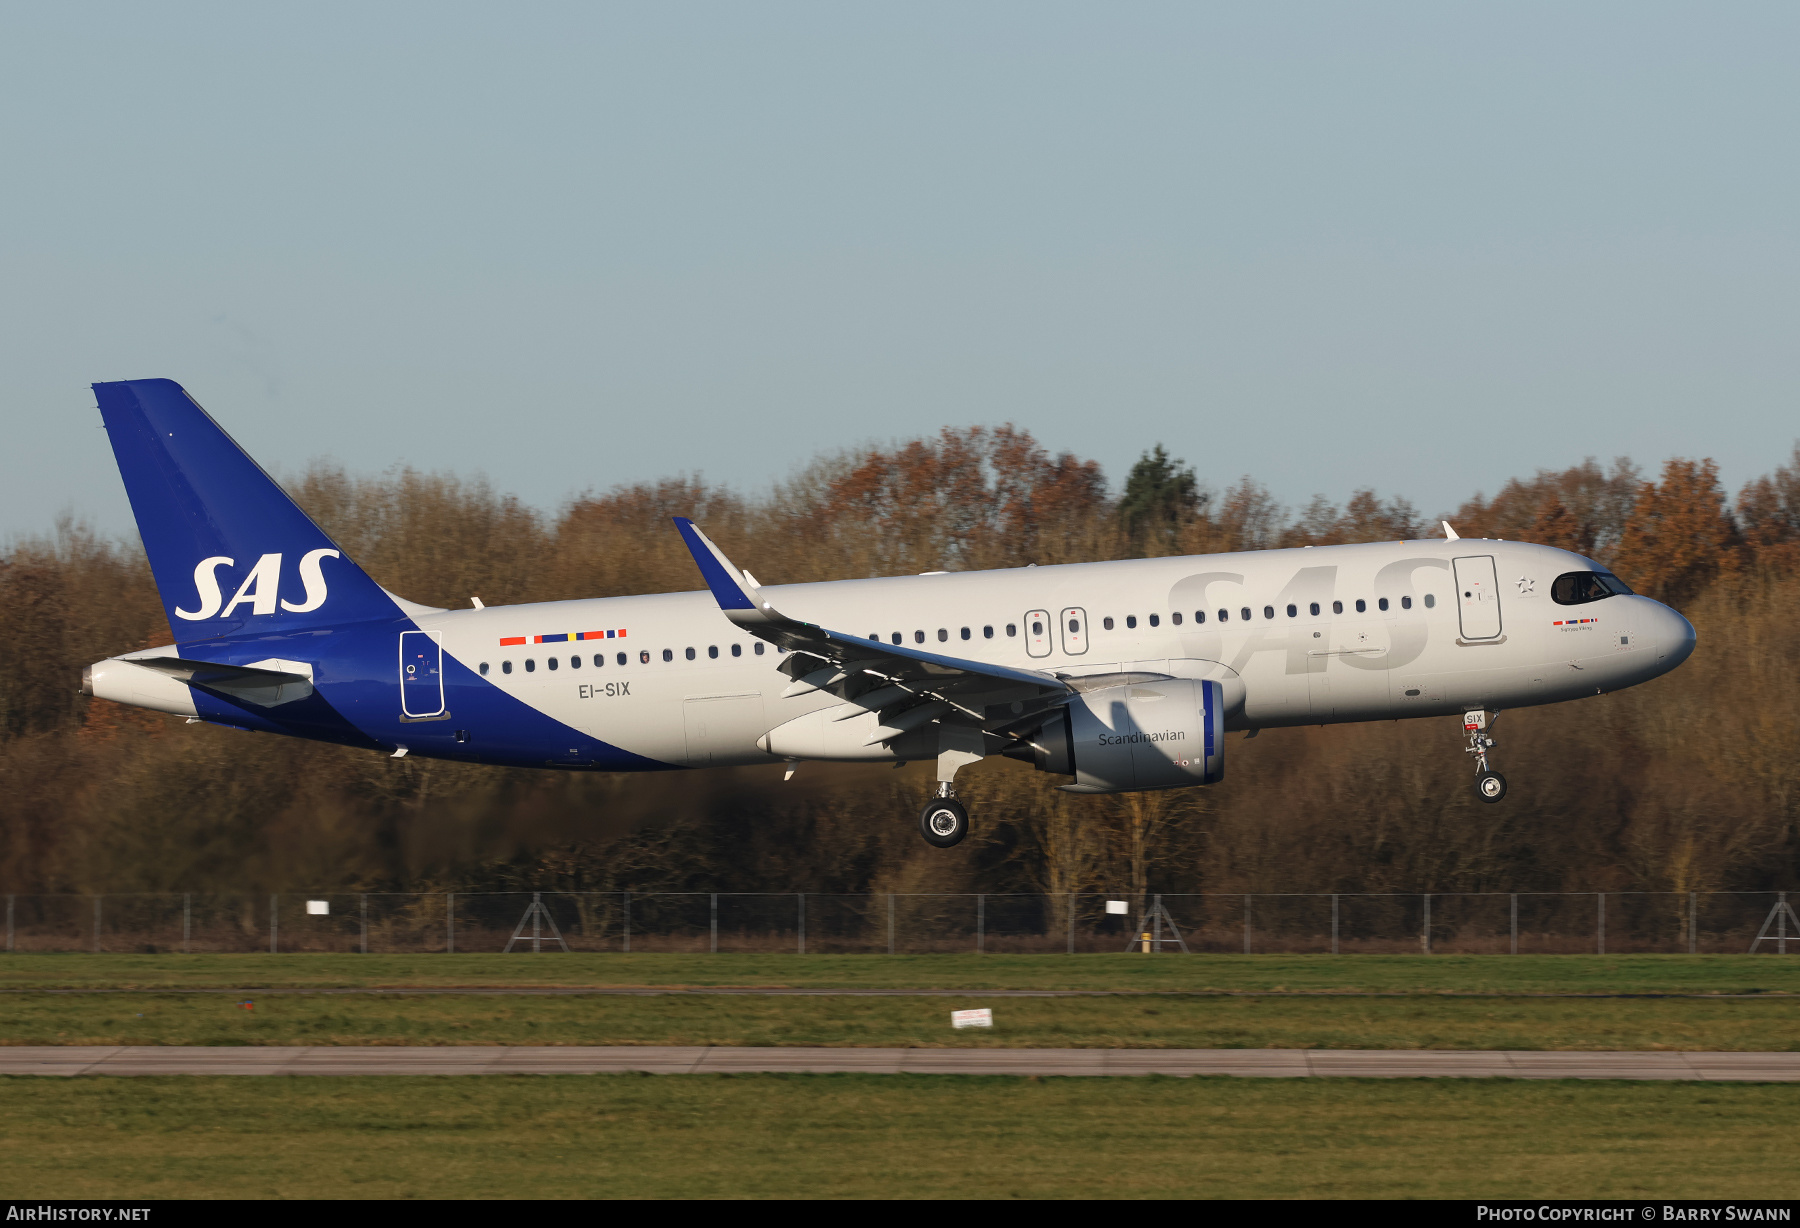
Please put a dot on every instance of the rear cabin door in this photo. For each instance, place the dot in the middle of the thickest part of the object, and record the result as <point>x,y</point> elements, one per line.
<point>421,674</point>
<point>1478,597</point>
<point>1037,633</point>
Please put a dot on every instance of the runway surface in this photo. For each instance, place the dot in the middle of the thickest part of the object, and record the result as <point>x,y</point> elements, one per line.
<point>571,1059</point>
<point>784,991</point>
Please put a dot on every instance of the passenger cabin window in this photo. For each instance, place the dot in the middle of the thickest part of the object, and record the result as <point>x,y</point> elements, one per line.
<point>600,659</point>
<point>943,635</point>
<point>987,633</point>
<point>918,637</point>
<point>1037,628</point>
<point>668,654</point>
<point>574,662</point>
<point>1337,607</point>
<point>644,656</point>
<point>966,633</point>
<point>898,638</point>
<point>506,667</point>
<point>712,652</point>
<point>1268,611</point>
<point>1012,629</point>
<point>1175,618</point>
<point>1406,603</point>
<point>1382,603</point>
<point>1430,600</point>
<point>737,650</point>
<point>1361,606</point>
<point>1131,620</point>
<point>1244,613</point>
<point>552,662</point>
<point>690,654</point>
<point>1199,616</point>
<point>1313,609</point>
<point>1293,610</point>
<point>1581,587</point>
<point>484,669</point>
<point>759,648</point>
<point>1107,622</point>
<point>1224,616</point>
<point>530,666</point>
<point>1154,620</point>
<point>622,658</point>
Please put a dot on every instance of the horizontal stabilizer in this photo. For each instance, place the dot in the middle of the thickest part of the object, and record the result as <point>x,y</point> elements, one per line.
<point>266,688</point>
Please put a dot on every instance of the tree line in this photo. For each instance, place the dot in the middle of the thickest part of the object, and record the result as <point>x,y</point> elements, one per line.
<point>1687,783</point>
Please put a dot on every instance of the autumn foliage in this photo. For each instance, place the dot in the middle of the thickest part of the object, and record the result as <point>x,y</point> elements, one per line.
<point>1688,783</point>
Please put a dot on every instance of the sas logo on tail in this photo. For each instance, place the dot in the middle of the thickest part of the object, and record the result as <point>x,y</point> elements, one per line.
<point>260,588</point>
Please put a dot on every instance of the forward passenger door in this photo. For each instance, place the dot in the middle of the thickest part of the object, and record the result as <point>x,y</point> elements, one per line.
<point>1477,597</point>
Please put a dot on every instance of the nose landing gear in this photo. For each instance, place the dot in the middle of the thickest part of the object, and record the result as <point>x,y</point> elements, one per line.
<point>1490,786</point>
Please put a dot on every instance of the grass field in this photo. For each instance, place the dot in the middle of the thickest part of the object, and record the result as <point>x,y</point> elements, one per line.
<point>903,1135</point>
<point>1411,1022</point>
<point>1417,974</point>
<point>891,1136</point>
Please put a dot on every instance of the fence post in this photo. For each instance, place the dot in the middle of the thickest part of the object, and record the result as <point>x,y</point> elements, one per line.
<point>1071,923</point>
<point>715,923</point>
<point>187,920</point>
<point>274,908</point>
<point>1246,923</point>
<point>980,922</point>
<point>449,923</point>
<point>1156,922</point>
<point>1334,924</point>
<point>628,922</point>
<point>9,921</point>
<point>890,896</point>
<point>801,896</point>
<point>363,899</point>
<point>1513,925</point>
<point>1600,923</point>
<point>1425,934</point>
<point>1693,923</point>
<point>97,900</point>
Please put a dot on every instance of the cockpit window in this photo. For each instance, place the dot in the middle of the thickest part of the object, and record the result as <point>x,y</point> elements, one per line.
<point>1581,587</point>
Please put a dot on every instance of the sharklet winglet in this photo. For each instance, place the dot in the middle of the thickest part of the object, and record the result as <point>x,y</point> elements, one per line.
<point>728,585</point>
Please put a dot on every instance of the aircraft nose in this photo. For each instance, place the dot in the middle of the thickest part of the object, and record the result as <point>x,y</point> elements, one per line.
<point>1674,636</point>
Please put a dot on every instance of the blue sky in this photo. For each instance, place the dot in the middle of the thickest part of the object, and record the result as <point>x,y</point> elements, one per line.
<point>1420,247</point>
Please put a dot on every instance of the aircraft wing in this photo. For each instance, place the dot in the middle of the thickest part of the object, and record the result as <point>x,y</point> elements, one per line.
<point>908,685</point>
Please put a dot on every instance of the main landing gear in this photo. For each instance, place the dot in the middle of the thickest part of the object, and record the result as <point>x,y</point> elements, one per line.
<point>943,822</point>
<point>1490,786</point>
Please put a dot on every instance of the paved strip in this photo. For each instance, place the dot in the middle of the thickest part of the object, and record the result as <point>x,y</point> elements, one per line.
<point>698,1059</point>
<point>654,991</point>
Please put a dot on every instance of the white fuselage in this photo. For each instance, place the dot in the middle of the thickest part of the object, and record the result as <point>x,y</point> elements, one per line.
<point>1433,635</point>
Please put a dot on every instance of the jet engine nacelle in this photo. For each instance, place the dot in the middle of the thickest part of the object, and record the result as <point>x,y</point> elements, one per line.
<point>1143,735</point>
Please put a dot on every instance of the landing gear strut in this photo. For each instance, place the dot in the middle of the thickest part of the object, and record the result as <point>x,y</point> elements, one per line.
<point>1490,786</point>
<point>943,822</point>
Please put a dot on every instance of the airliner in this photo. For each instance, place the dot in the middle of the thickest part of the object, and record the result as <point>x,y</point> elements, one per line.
<point>1119,676</point>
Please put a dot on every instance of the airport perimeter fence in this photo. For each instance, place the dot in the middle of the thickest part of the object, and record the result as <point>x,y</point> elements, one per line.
<point>1617,922</point>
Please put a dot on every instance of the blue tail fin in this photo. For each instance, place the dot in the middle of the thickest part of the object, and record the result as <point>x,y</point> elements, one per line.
<point>232,554</point>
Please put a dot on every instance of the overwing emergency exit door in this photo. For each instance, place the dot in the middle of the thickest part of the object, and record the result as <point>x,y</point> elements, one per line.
<point>1478,597</point>
<point>1037,633</point>
<point>421,674</point>
<point>1073,622</point>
